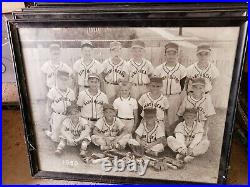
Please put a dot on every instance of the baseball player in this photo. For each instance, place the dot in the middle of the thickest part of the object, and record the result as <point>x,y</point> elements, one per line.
<point>155,99</point>
<point>140,70</point>
<point>51,67</point>
<point>189,140</point>
<point>91,100</point>
<point>150,134</point>
<point>109,131</point>
<point>200,101</point>
<point>74,131</point>
<point>173,74</point>
<point>60,98</point>
<point>126,107</point>
<point>114,71</point>
<point>86,65</point>
<point>203,68</point>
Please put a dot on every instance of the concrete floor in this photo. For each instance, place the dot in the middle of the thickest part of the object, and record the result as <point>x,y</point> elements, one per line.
<point>16,167</point>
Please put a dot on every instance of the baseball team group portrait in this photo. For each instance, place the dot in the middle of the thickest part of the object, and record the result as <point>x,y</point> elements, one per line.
<point>154,97</point>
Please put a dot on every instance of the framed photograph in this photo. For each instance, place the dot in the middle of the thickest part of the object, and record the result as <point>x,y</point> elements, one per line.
<point>146,98</point>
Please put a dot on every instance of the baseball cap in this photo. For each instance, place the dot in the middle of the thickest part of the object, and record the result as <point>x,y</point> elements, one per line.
<point>72,109</point>
<point>203,48</point>
<point>115,44</point>
<point>191,111</point>
<point>138,43</point>
<point>156,80</point>
<point>149,112</point>
<point>125,83</point>
<point>86,43</point>
<point>198,81</point>
<point>93,75</point>
<point>108,106</point>
<point>171,47</point>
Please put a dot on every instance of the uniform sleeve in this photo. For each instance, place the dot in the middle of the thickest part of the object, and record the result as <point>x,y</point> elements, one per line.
<point>199,129</point>
<point>157,71</point>
<point>166,103</point>
<point>183,72</point>
<point>120,124</point>
<point>126,67</point>
<point>66,124</point>
<point>80,99</point>
<point>104,67</point>
<point>135,105</point>
<point>115,104</point>
<point>141,101</point>
<point>160,131</point>
<point>51,94</point>
<point>189,71</point>
<point>99,124</point>
<point>99,67</point>
<point>150,68</point>
<point>209,109</point>
<point>67,69</point>
<point>182,107</point>
<point>139,130</point>
<point>72,96</point>
<point>76,67</point>
<point>44,68</point>
<point>179,129</point>
<point>105,98</point>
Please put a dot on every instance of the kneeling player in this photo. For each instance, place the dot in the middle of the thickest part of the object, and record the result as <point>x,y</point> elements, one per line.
<point>150,134</point>
<point>189,140</point>
<point>109,132</point>
<point>75,131</point>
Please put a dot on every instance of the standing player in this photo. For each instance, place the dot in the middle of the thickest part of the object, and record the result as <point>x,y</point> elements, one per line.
<point>91,100</point>
<point>60,97</point>
<point>173,74</point>
<point>114,71</point>
<point>140,69</point>
<point>155,99</point>
<point>86,65</point>
<point>51,67</point>
<point>203,68</point>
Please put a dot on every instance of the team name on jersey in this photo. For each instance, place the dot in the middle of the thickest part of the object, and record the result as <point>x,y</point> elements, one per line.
<point>202,75</point>
<point>122,73</point>
<point>91,101</point>
<point>171,77</point>
<point>83,70</point>
<point>153,105</point>
<point>138,71</point>
<point>61,99</point>
<point>51,74</point>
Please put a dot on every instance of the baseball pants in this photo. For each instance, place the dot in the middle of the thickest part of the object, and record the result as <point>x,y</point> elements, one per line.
<point>200,149</point>
<point>129,124</point>
<point>138,90</point>
<point>158,148</point>
<point>55,123</point>
<point>63,143</point>
<point>100,141</point>
<point>112,91</point>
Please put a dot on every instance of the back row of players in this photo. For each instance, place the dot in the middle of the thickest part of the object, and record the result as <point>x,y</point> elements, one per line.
<point>125,84</point>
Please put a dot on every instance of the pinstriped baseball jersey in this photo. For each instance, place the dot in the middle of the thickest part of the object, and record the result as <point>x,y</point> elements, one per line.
<point>189,132</point>
<point>150,136</point>
<point>171,77</point>
<point>60,100</point>
<point>83,70</point>
<point>109,130</point>
<point>51,71</point>
<point>114,72</point>
<point>92,106</point>
<point>139,73</point>
<point>161,104</point>
<point>204,106</point>
<point>209,74</point>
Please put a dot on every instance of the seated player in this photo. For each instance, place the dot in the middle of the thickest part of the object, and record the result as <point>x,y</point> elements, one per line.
<point>60,98</point>
<point>127,107</point>
<point>74,131</point>
<point>109,132</point>
<point>150,134</point>
<point>189,140</point>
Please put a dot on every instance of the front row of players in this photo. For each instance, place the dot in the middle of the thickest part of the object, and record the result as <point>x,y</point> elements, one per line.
<point>115,126</point>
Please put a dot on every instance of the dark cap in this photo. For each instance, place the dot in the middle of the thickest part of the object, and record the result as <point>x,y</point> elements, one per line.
<point>72,109</point>
<point>86,44</point>
<point>203,48</point>
<point>149,112</point>
<point>189,112</point>
<point>171,47</point>
<point>125,83</point>
<point>138,44</point>
<point>198,81</point>
<point>108,106</point>
<point>115,44</point>
<point>157,80</point>
<point>62,74</point>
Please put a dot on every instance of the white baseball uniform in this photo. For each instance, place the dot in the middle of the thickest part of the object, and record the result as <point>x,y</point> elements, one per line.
<point>209,74</point>
<point>187,137</point>
<point>149,136</point>
<point>60,102</point>
<point>161,104</point>
<point>114,73</point>
<point>126,107</point>
<point>51,71</point>
<point>83,70</point>
<point>91,105</point>
<point>110,132</point>
<point>171,87</point>
<point>204,106</point>
<point>139,76</point>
